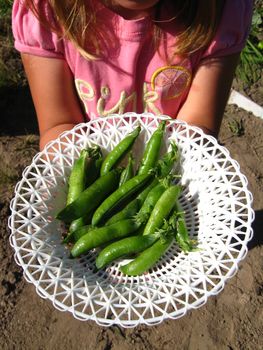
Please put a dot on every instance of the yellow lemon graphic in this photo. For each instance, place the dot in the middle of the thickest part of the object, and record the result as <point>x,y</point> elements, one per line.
<point>171,80</point>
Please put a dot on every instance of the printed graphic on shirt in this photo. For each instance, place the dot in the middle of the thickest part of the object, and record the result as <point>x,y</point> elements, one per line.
<point>170,81</point>
<point>167,83</point>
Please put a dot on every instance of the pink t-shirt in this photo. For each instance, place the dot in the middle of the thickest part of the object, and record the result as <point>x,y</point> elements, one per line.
<point>132,76</point>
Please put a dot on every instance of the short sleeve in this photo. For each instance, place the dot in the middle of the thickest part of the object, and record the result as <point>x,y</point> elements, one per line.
<point>233,29</point>
<point>32,37</point>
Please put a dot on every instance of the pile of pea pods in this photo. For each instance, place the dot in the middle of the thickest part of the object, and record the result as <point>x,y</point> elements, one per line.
<point>123,211</point>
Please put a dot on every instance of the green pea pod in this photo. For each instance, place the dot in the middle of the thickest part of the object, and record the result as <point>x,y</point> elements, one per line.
<point>182,236</point>
<point>99,236</point>
<point>95,165</point>
<point>162,209</point>
<point>78,223</point>
<point>119,151</point>
<point>152,150</point>
<point>132,207</point>
<point>74,236</point>
<point>118,197</point>
<point>164,167</point>
<point>151,200</point>
<point>123,247</point>
<point>127,173</point>
<point>147,259</point>
<point>143,195</point>
<point>126,213</point>
<point>166,163</point>
<point>81,172</point>
<point>175,226</point>
<point>90,198</point>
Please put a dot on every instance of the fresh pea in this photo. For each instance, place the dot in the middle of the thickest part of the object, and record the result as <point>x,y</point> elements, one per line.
<point>76,225</point>
<point>74,236</point>
<point>123,247</point>
<point>126,213</point>
<point>162,209</point>
<point>182,235</point>
<point>80,172</point>
<point>127,172</point>
<point>166,163</point>
<point>147,259</point>
<point>175,225</point>
<point>164,167</point>
<point>99,236</point>
<point>119,151</point>
<point>93,172</point>
<point>151,200</point>
<point>118,197</point>
<point>152,150</point>
<point>82,221</point>
<point>132,207</point>
<point>90,198</point>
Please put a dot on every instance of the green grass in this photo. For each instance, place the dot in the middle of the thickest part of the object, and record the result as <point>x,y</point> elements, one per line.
<point>236,127</point>
<point>5,7</point>
<point>250,67</point>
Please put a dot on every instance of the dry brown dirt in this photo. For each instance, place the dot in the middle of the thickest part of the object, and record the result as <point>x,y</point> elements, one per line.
<point>231,320</point>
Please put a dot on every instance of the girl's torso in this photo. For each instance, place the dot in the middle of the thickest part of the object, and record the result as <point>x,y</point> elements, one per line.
<point>132,75</point>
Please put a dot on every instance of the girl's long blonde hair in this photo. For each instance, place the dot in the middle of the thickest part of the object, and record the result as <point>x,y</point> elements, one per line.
<point>76,20</point>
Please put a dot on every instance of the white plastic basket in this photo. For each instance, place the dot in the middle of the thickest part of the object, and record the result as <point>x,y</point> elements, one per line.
<point>218,213</point>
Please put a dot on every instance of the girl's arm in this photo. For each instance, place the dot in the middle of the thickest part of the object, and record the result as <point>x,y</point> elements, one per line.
<point>209,92</point>
<point>53,92</point>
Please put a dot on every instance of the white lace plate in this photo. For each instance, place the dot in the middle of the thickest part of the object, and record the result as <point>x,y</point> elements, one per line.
<point>218,213</point>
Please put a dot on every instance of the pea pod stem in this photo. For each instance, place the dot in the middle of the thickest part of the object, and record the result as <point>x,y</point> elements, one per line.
<point>91,197</point>
<point>182,234</point>
<point>175,225</point>
<point>166,163</point>
<point>119,151</point>
<point>152,149</point>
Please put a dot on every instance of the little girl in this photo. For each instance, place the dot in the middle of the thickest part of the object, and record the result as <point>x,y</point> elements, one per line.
<point>90,58</point>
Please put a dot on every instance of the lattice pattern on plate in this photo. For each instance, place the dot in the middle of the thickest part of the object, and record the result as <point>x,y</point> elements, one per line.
<point>218,213</point>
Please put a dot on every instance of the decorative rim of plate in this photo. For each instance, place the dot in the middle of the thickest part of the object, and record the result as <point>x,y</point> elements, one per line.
<point>218,210</point>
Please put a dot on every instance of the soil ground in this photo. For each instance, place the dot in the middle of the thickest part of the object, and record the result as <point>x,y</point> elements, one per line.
<point>231,320</point>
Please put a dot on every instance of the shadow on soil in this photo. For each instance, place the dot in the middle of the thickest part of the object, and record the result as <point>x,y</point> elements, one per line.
<point>257,226</point>
<point>17,112</point>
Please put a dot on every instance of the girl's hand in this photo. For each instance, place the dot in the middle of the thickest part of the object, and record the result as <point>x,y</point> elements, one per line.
<point>52,88</point>
<point>209,92</point>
